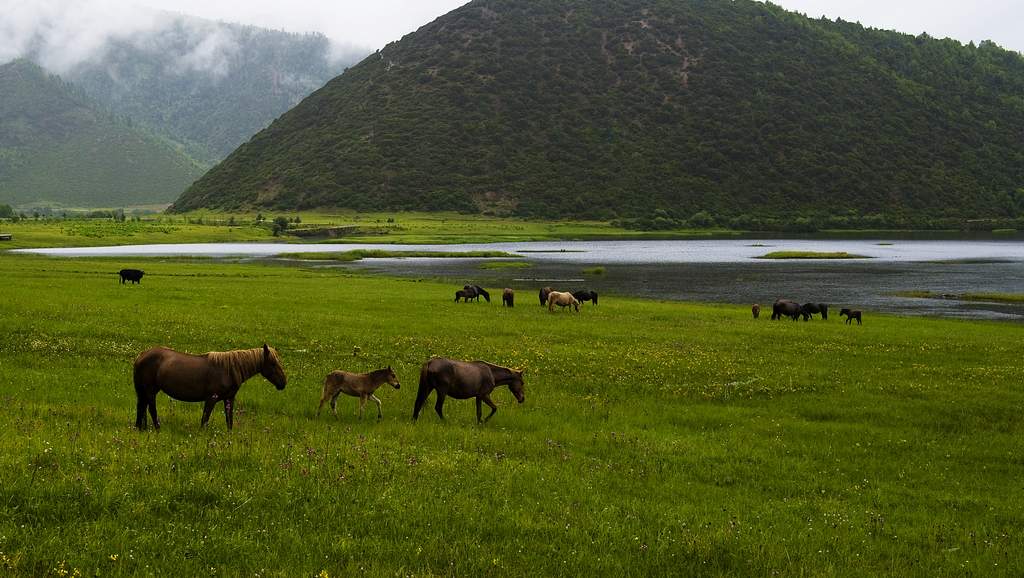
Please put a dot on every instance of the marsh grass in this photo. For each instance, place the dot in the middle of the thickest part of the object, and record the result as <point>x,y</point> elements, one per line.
<point>811,255</point>
<point>656,438</point>
<point>360,254</point>
<point>506,265</point>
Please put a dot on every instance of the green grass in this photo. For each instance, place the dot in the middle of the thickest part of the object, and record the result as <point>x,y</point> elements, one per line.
<point>988,297</point>
<point>811,255</point>
<point>656,438</point>
<point>506,265</point>
<point>403,228</point>
<point>594,271</point>
<point>359,254</point>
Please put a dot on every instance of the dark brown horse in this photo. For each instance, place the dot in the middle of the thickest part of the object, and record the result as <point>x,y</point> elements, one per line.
<point>544,295</point>
<point>851,315</point>
<point>465,295</point>
<point>208,378</point>
<point>820,308</point>
<point>756,310</point>
<point>133,275</point>
<point>508,298</point>
<point>463,380</point>
<point>586,295</point>
<point>786,308</point>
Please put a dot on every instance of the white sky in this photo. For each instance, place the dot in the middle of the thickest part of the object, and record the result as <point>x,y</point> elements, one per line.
<point>373,23</point>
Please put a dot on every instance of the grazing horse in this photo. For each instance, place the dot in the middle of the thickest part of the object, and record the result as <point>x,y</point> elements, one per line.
<point>133,275</point>
<point>756,310</point>
<point>508,297</point>
<point>812,308</point>
<point>477,292</point>
<point>463,380</point>
<point>465,295</point>
<point>851,315</point>
<point>544,295</point>
<point>586,295</point>
<point>785,308</point>
<point>208,378</point>
<point>361,385</point>
<point>563,300</point>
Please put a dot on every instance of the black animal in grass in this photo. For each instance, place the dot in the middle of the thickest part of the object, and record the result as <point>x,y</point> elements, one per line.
<point>586,295</point>
<point>544,295</point>
<point>472,292</point>
<point>465,380</point>
<point>851,315</point>
<point>133,275</point>
<point>786,308</point>
<point>817,308</point>
<point>508,297</point>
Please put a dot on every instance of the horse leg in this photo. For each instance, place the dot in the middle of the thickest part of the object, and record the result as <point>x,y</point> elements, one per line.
<point>479,410</point>
<point>140,414</point>
<point>207,410</point>
<point>334,403</point>
<point>421,397</point>
<point>439,405</point>
<point>229,412</point>
<point>494,408</point>
<point>380,414</point>
<point>362,405</point>
<point>152,411</point>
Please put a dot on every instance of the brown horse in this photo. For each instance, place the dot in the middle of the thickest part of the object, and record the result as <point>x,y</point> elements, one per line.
<point>563,300</point>
<point>361,385</point>
<point>756,310</point>
<point>851,314</point>
<point>208,378</point>
<point>463,380</point>
<point>544,295</point>
<point>508,298</point>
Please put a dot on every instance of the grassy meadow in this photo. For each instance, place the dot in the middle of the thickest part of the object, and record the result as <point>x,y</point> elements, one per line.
<point>656,438</point>
<point>412,228</point>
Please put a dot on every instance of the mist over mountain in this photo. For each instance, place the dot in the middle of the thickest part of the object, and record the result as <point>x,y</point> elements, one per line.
<point>208,85</point>
<point>59,146</point>
<point>634,108</point>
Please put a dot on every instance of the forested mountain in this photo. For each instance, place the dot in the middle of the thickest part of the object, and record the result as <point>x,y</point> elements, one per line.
<point>209,85</point>
<point>58,145</point>
<point>634,108</point>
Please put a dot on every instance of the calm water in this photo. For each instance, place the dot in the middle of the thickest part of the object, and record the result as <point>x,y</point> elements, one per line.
<point>702,270</point>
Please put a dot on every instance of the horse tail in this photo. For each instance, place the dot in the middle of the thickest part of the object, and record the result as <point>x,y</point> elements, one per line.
<point>551,303</point>
<point>423,391</point>
<point>141,371</point>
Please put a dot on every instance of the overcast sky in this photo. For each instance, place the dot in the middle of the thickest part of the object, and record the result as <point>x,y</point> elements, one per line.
<point>373,23</point>
<point>65,32</point>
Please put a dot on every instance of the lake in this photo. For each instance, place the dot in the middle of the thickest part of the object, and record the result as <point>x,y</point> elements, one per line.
<point>724,270</point>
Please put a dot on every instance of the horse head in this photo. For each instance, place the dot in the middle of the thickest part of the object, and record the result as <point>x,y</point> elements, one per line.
<point>271,368</point>
<point>393,379</point>
<point>516,385</point>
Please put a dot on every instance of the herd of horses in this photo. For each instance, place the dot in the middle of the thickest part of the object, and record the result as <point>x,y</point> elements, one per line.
<point>794,310</point>
<point>217,376</point>
<point>548,296</point>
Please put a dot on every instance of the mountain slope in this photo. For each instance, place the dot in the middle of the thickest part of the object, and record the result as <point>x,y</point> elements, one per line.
<point>56,145</point>
<point>603,108</point>
<point>209,85</point>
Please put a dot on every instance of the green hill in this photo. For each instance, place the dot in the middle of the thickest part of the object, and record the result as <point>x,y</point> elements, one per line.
<point>633,108</point>
<point>209,85</point>
<point>58,146</point>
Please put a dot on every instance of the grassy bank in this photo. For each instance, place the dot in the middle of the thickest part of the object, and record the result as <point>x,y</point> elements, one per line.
<point>414,228</point>
<point>811,255</point>
<point>656,438</point>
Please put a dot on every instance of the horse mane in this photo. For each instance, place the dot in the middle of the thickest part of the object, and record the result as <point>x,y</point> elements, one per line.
<point>382,371</point>
<point>240,363</point>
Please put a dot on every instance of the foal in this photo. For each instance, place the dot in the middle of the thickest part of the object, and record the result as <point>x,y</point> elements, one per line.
<point>851,315</point>
<point>361,385</point>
